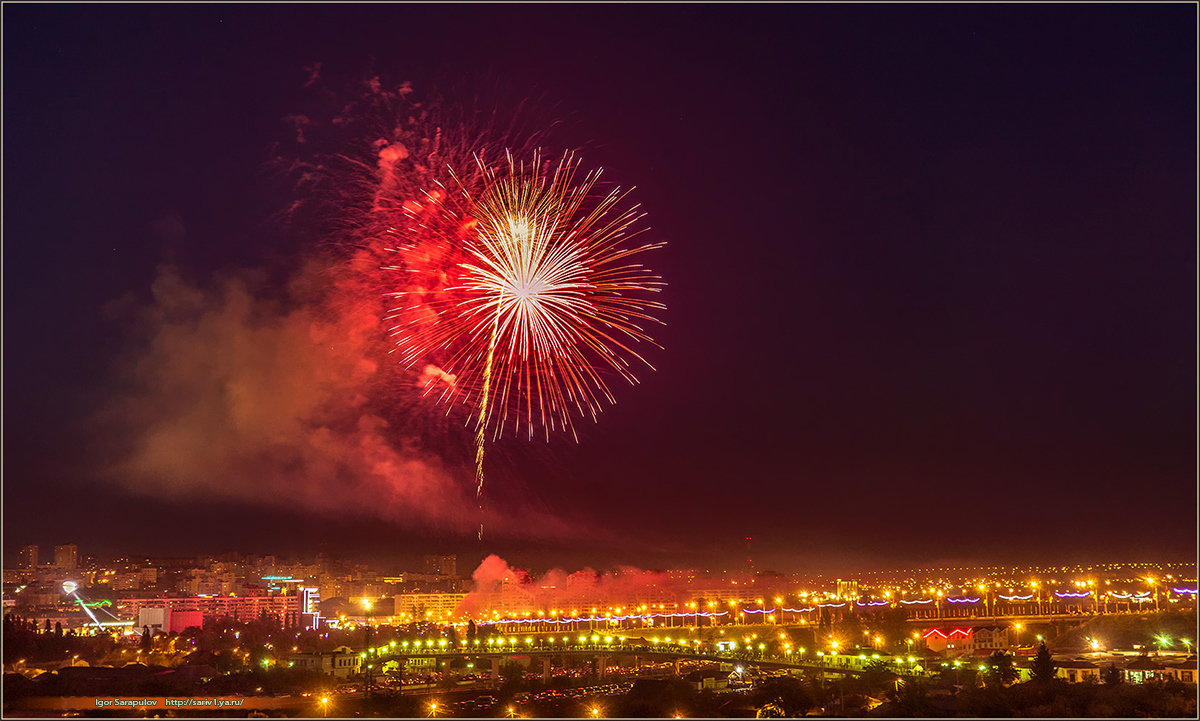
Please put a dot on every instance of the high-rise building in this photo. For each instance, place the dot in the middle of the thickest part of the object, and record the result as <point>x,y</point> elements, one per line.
<point>847,589</point>
<point>442,565</point>
<point>66,557</point>
<point>28,557</point>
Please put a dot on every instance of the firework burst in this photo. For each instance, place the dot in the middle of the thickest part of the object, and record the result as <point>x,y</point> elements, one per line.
<point>534,298</point>
<point>522,297</point>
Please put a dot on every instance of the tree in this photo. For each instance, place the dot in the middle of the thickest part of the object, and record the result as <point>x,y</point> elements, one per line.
<point>785,695</point>
<point>146,638</point>
<point>1044,670</point>
<point>58,628</point>
<point>471,631</point>
<point>1001,671</point>
<point>1111,675</point>
<point>912,699</point>
<point>46,628</point>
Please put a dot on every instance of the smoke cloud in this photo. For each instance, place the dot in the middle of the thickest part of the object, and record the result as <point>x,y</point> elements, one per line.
<point>564,590</point>
<point>291,402</point>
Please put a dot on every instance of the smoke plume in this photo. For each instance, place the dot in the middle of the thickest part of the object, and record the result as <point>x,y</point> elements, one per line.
<point>564,590</point>
<point>290,402</point>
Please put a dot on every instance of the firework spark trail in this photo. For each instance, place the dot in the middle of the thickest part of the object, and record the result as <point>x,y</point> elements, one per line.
<point>480,435</point>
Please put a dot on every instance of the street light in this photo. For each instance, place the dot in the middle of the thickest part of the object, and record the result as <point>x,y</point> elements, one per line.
<point>324,705</point>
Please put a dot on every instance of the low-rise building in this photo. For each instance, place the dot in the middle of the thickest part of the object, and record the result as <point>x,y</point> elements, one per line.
<point>990,638</point>
<point>341,662</point>
<point>1145,669</point>
<point>1078,671</point>
<point>1184,671</point>
<point>951,642</point>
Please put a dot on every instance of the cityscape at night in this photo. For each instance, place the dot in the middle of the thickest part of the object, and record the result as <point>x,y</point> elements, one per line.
<point>331,631</point>
<point>613,360</point>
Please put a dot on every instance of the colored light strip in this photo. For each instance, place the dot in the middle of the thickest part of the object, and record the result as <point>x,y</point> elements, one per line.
<point>963,600</point>
<point>871,603</point>
<point>799,610</point>
<point>1068,594</point>
<point>1114,594</point>
<point>909,603</point>
<point>953,632</point>
<point>86,610</point>
<point>830,605</point>
<point>96,604</point>
<point>1192,591</point>
<point>758,610</point>
<point>1015,598</point>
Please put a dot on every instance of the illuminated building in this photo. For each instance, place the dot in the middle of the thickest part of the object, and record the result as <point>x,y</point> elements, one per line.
<point>341,662</point>
<point>990,638</point>
<point>442,565</point>
<point>310,603</point>
<point>28,557</point>
<point>282,609</point>
<point>155,619</point>
<point>166,620</point>
<point>953,641</point>
<point>428,605</point>
<point>66,557</point>
<point>847,589</point>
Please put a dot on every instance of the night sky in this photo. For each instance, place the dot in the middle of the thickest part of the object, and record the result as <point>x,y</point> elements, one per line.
<point>932,273</point>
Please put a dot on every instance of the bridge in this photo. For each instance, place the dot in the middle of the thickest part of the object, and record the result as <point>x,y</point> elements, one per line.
<point>599,655</point>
